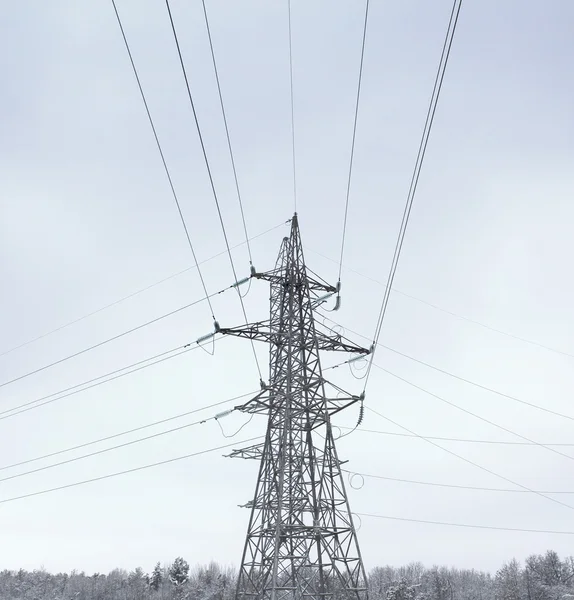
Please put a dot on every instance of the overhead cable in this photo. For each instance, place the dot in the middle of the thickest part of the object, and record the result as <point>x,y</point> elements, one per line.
<point>459,440</point>
<point>472,414</point>
<point>479,385</point>
<point>463,379</point>
<point>470,462</point>
<point>118,473</point>
<point>190,96</point>
<point>485,326</point>
<point>466,525</point>
<point>227,133</point>
<point>451,485</point>
<point>353,140</point>
<point>122,433</point>
<point>136,293</point>
<point>96,381</point>
<point>106,378</point>
<point>237,431</point>
<point>113,338</point>
<point>457,4</point>
<point>146,426</point>
<point>225,446</point>
<point>119,446</point>
<point>175,197</point>
<point>446,311</point>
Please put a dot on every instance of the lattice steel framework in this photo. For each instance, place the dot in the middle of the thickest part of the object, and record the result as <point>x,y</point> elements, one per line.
<point>301,541</point>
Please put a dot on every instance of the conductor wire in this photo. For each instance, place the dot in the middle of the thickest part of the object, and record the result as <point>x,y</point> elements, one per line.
<point>353,140</point>
<point>162,157</point>
<point>470,462</point>
<point>190,96</point>
<point>227,133</point>
<point>457,4</point>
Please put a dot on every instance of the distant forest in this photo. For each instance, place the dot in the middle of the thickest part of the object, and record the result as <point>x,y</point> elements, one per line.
<point>542,577</point>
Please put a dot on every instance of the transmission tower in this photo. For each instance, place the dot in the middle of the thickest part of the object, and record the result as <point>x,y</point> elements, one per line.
<point>301,541</point>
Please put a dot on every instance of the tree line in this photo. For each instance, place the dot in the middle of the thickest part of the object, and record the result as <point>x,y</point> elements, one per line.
<point>541,577</point>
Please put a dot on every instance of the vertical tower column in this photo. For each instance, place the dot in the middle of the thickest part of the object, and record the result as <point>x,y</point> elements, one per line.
<point>301,542</point>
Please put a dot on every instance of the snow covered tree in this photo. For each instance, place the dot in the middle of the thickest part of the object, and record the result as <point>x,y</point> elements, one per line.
<point>508,582</point>
<point>156,578</point>
<point>402,591</point>
<point>179,575</point>
<point>437,584</point>
<point>137,584</point>
<point>547,577</point>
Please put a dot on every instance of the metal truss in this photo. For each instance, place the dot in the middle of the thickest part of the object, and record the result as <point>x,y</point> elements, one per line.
<point>301,542</point>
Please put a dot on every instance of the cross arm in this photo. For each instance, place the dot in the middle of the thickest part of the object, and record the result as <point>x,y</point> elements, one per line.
<point>338,343</point>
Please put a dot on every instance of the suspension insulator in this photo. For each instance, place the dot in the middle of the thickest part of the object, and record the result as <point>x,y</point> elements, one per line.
<point>204,338</point>
<point>225,413</point>
<point>241,282</point>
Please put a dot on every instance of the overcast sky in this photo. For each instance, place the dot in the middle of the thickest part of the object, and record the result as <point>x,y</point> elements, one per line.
<point>88,218</point>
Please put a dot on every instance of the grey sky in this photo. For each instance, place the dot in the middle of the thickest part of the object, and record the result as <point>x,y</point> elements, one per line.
<point>87,218</point>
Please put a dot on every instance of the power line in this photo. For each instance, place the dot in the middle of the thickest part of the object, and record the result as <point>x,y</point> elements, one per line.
<point>448,485</point>
<point>353,139</point>
<point>446,311</point>
<point>468,412</point>
<point>102,451</point>
<point>457,4</point>
<point>190,96</point>
<point>480,386</point>
<point>225,446</point>
<point>227,131</point>
<point>470,462</point>
<point>136,293</point>
<point>451,439</point>
<point>162,156</point>
<point>147,426</point>
<point>466,525</point>
<point>112,375</point>
<point>241,428</point>
<point>416,172</point>
<point>113,338</point>
<point>292,107</point>
<point>95,379</point>
<point>184,350</point>
<point>122,433</point>
<point>118,473</point>
<point>463,379</point>
<point>119,446</point>
<point>485,326</point>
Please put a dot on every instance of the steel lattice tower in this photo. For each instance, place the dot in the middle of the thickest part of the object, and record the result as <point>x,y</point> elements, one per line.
<point>301,541</point>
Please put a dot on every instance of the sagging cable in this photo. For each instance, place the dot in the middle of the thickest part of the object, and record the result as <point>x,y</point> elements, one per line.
<point>361,399</point>
<point>226,413</point>
<point>356,364</point>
